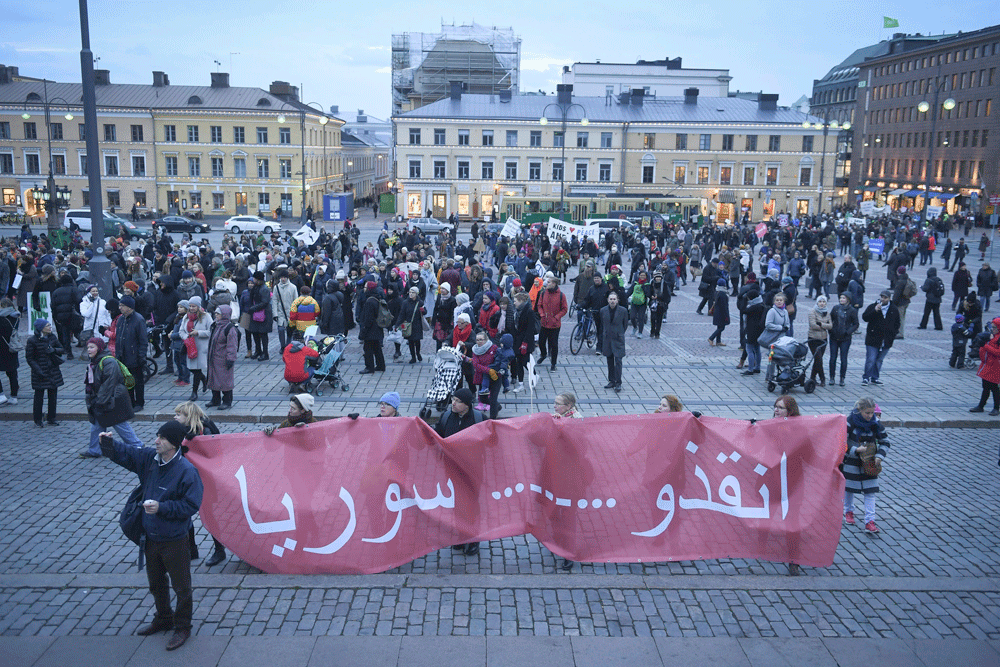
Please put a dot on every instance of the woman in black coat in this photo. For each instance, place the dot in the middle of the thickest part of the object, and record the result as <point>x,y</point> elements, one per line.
<point>332,310</point>
<point>720,312</point>
<point>411,313</point>
<point>44,354</point>
<point>443,318</point>
<point>65,300</point>
<point>260,302</point>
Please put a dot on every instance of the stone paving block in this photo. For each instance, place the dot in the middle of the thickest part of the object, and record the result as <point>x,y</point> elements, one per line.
<point>614,651</point>
<point>110,651</point>
<point>22,651</point>
<point>280,651</point>
<point>199,651</point>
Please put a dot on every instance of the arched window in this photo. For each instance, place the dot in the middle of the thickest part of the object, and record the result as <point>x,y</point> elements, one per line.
<point>263,102</point>
<point>194,99</point>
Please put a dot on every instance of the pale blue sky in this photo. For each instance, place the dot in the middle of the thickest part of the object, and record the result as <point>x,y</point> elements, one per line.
<point>339,52</point>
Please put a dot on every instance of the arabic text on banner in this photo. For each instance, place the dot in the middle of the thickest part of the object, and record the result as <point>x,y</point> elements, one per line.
<point>363,496</point>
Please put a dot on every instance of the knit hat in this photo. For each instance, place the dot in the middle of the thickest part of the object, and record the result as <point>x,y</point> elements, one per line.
<point>721,282</point>
<point>305,401</point>
<point>463,317</point>
<point>219,285</point>
<point>786,280</point>
<point>341,275</point>
<point>960,318</point>
<point>751,277</point>
<point>128,301</point>
<point>131,285</point>
<point>184,303</point>
<point>186,274</point>
<point>390,398</point>
<point>370,285</point>
<point>465,395</point>
<point>258,275</point>
<point>446,288</point>
<point>47,269</point>
<point>40,324</point>
<point>516,282</point>
<point>99,342</point>
<point>195,301</point>
<point>173,432</point>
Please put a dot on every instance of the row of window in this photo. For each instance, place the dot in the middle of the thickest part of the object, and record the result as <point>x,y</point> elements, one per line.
<point>833,96</point>
<point>487,172</point>
<point>944,139</point>
<point>966,171</point>
<point>960,55</point>
<point>169,133</point>
<point>957,81</point>
<point>966,109</point>
<point>32,165</point>
<point>583,140</point>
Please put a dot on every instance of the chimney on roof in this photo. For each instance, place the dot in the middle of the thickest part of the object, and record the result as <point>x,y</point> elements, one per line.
<point>690,96</point>
<point>767,102</point>
<point>8,73</point>
<point>284,91</point>
<point>505,95</point>
<point>637,96</point>
<point>334,109</point>
<point>362,118</point>
<point>102,77</point>
<point>455,90</point>
<point>564,93</point>
<point>220,79</point>
<point>160,80</point>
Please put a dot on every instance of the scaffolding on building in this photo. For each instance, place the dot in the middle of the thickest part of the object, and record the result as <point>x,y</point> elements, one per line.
<point>485,59</point>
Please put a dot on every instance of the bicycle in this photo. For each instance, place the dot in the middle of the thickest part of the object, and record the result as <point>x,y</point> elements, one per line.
<point>585,331</point>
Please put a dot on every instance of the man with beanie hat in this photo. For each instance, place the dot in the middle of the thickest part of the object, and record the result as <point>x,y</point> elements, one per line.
<point>131,343</point>
<point>459,417</point>
<point>172,492</point>
<point>189,287</point>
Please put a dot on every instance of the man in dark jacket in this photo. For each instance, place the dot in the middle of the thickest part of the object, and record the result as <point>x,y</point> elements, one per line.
<point>65,301</point>
<point>459,417</point>
<point>614,321</point>
<point>172,490</point>
<point>371,334</point>
<point>933,287</point>
<point>709,277</point>
<point>108,403</point>
<point>750,303</point>
<point>883,325</point>
<point>130,348</point>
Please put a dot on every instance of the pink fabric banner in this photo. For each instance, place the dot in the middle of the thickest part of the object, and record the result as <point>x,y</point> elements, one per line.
<point>362,496</point>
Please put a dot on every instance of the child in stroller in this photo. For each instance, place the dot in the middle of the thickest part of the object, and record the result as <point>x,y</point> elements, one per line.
<point>447,372</point>
<point>789,364</point>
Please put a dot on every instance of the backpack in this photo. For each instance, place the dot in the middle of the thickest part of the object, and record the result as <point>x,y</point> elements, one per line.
<point>129,380</point>
<point>239,334</point>
<point>384,318</point>
<point>638,297</point>
<point>16,342</point>
<point>910,290</point>
<point>130,519</point>
<point>938,287</point>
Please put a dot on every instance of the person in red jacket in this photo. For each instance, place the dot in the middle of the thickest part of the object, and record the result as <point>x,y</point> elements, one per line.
<point>989,370</point>
<point>298,371</point>
<point>489,315</point>
<point>552,307</point>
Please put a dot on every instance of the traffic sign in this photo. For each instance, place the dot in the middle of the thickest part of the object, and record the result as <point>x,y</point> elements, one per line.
<point>995,199</point>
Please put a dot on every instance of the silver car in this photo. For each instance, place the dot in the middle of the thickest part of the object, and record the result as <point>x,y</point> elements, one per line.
<point>429,225</point>
<point>251,223</point>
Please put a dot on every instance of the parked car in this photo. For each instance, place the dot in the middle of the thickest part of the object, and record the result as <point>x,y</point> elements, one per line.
<point>607,224</point>
<point>429,225</point>
<point>181,223</point>
<point>79,220</point>
<point>494,227</point>
<point>251,223</point>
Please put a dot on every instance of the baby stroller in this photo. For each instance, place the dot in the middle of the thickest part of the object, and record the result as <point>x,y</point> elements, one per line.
<point>977,342</point>
<point>331,353</point>
<point>789,364</point>
<point>447,372</point>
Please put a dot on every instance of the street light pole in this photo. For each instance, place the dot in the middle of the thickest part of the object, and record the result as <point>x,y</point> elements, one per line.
<point>302,131</point>
<point>564,109</point>
<point>49,194</point>
<point>922,107</point>
<point>826,125</point>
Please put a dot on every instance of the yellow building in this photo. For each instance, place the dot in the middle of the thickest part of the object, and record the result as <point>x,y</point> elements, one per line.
<point>211,149</point>
<point>724,158</point>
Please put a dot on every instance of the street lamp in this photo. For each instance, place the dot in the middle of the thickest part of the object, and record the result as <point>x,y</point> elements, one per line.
<point>924,107</point>
<point>302,131</point>
<point>50,185</point>
<point>564,105</point>
<point>826,126</point>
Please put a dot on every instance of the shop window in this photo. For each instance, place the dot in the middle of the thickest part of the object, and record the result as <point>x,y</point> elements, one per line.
<point>139,197</point>
<point>219,201</point>
<point>114,199</point>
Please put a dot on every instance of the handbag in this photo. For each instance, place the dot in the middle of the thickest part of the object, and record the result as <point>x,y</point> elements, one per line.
<point>258,315</point>
<point>869,465</point>
<point>408,327</point>
<point>394,336</point>
<point>192,347</point>
<point>439,332</point>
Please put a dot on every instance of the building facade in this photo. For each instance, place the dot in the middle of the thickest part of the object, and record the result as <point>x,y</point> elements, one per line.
<point>657,78</point>
<point>370,140</point>
<point>926,120</point>
<point>473,155</point>
<point>180,149</point>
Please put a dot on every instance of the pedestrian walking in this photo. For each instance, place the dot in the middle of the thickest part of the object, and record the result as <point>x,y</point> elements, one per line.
<point>989,370</point>
<point>223,347</point>
<point>614,322</point>
<point>867,446</point>
<point>720,312</point>
<point>820,324</point>
<point>172,492</point>
<point>883,321</point>
<point>131,344</point>
<point>44,354</point>
<point>933,287</point>
<point>109,406</point>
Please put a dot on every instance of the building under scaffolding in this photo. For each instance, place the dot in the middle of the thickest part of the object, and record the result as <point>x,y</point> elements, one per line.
<point>485,60</point>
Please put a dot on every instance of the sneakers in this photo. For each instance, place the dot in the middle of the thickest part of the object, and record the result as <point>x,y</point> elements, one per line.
<point>12,400</point>
<point>849,518</point>
<point>878,382</point>
<point>518,387</point>
<point>864,382</point>
<point>871,527</point>
<point>3,400</point>
<point>181,383</point>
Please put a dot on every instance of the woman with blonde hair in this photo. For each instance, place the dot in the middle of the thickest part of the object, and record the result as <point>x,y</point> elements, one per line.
<point>198,423</point>
<point>565,406</point>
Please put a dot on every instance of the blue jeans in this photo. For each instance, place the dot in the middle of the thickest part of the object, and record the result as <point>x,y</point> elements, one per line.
<point>753,356</point>
<point>124,431</point>
<point>874,357</point>
<point>841,347</point>
<point>181,364</point>
<point>984,301</point>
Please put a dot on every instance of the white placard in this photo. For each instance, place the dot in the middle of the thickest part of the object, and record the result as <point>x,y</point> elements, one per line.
<point>511,228</point>
<point>560,230</point>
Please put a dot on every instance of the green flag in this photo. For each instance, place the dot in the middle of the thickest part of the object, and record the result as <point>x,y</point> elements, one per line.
<point>889,23</point>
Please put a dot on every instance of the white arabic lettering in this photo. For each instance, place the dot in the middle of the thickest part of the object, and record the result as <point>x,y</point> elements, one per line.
<point>337,544</point>
<point>265,528</point>
<point>662,504</point>
<point>394,502</point>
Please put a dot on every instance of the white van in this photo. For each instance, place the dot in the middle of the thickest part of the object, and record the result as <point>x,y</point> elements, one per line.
<point>78,219</point>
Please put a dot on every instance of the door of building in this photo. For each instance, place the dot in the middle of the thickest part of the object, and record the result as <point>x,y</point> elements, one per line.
<point>580,211</point>
<point>241,203</point>
<point>439,206</point>
<point>173,202</point>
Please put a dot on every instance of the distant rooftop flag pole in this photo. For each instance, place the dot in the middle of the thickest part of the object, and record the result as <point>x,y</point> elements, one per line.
<point>889,22</point>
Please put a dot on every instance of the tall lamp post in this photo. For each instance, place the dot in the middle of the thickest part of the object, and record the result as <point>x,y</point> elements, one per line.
<point>302,131</point>
<point>564,105</point>
<point>51,197</point>
<point>923,107</point>
<point>826,126</point>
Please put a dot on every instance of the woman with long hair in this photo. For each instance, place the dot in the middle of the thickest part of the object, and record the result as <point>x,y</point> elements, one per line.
<point>198,423</point>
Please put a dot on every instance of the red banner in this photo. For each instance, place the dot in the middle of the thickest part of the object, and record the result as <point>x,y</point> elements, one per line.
<point>362,496</point>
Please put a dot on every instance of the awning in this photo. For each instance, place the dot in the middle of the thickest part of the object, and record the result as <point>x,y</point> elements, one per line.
<point>871,188</point>
<point>727,196</point>
<point>914,193</point>
<point>898,191</point>
<point>943,196</point>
